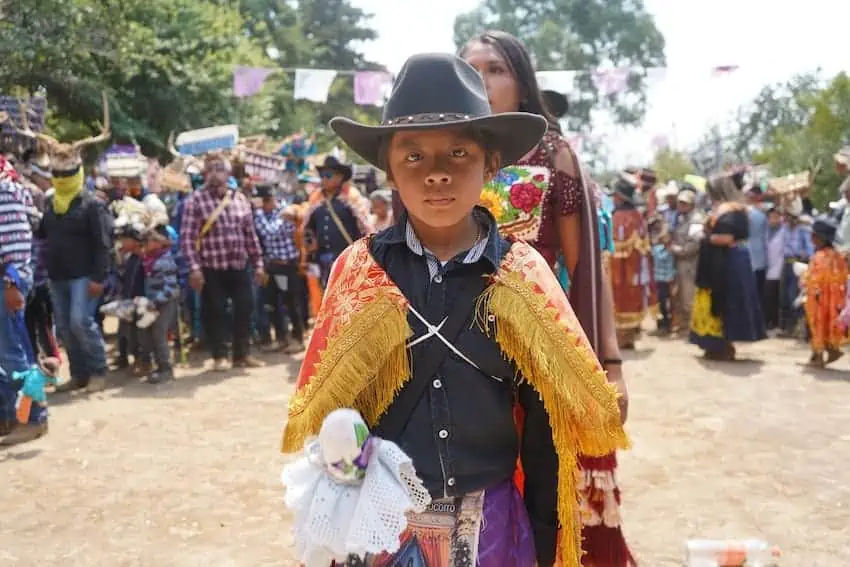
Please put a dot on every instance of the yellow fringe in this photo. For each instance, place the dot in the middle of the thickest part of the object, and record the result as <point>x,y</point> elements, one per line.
<point>363,368</point>
<point>558,363</point>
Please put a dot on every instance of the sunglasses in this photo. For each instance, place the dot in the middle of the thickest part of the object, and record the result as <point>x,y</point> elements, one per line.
<point>327,174</point>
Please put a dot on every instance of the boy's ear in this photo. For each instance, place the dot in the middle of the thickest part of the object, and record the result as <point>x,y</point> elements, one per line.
<point>492,166</point>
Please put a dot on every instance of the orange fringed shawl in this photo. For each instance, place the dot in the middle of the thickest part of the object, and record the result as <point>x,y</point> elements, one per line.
<point>357,358</point>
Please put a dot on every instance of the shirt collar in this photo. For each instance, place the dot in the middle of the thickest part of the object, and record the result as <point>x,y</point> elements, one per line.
<point>490,249</point>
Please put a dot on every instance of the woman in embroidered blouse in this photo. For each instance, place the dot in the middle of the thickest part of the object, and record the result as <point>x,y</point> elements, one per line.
<point>547,201</point>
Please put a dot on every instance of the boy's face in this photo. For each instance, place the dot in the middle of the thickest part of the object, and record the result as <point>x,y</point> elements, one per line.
<point>774,218</point>
<point>439,174</point>
<point>269,204</point>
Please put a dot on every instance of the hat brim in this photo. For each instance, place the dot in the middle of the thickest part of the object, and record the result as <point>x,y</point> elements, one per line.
<point>513,134</point>
<point>345,170</point>
<point>556,103</point>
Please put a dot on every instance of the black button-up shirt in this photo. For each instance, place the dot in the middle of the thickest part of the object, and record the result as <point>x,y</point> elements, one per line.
<point>461,434</point>
<point>328,235</point>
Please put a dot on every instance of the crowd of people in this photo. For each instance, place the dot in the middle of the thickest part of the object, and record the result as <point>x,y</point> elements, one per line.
<point>227,267</point>
<point>484,184</point>
<point>730,262</point>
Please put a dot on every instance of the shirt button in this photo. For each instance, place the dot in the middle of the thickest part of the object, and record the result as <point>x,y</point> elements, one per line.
<point>437,384</point>
<point>438,278</point>
<point>451,481</point>
<point>443,434</point>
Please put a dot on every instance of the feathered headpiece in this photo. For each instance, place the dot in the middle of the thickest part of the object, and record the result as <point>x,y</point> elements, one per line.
<point>139,219</point>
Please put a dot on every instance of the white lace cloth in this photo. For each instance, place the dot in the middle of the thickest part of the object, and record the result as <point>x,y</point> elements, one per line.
<point>334,519</point>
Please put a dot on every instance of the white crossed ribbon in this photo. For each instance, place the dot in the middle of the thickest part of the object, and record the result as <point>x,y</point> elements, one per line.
<point>434,331</point>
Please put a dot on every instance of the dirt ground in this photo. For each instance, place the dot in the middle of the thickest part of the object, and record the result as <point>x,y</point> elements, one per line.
<point>187,473</point>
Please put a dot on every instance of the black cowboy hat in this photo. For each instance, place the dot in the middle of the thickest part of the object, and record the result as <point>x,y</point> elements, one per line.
<point>333,164</point>
<point>625,185</point>
<point>264,191</point>
<point>556,103</point>
<point>825,228</point>
<point>438,90</point>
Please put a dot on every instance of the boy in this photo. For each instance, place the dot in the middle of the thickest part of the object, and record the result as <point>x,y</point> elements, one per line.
<point>438,329</point>
<point>825,282</point>
<point>664,271</point>
<point>162,290</point>
<point>131,285</point>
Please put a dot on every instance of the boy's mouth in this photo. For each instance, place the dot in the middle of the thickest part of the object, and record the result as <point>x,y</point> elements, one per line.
<point>439,201</point>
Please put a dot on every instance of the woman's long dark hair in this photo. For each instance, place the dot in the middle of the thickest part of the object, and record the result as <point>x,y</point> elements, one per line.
<point>518,60</point>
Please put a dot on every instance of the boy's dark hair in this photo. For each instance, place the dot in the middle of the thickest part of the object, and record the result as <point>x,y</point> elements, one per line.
<point>478,135</point>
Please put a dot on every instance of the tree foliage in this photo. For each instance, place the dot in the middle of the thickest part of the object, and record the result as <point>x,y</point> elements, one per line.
<point>579,35</point>
<point>791,127</point>
<point>167,64</point>
<point>813,141</point>
<point>671,165</point>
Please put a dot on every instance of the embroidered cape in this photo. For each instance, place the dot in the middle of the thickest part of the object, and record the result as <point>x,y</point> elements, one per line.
<point>357,358</point>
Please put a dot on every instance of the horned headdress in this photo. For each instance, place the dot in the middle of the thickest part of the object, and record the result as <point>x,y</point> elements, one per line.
<point>65,158</point>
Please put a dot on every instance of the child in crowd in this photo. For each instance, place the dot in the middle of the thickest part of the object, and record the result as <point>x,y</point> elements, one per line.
<point>131,285</point>
<point>456,344</point>
<point>665,271</point>
<point>162,290</point>
<point>825,282</point>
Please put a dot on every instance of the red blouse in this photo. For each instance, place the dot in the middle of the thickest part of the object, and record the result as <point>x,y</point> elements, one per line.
<point>563,196</point>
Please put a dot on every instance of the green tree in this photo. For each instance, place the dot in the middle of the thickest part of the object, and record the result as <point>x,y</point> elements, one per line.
<point>811,145</point>
<point>781,106</point>
<point>320,34</point>
<point>165,64</point>
<point>579,35</point>
<point>671,165</point>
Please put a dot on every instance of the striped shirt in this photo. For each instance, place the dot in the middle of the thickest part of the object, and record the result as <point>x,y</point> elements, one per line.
<point>434,264</point>
<point>15,229</point>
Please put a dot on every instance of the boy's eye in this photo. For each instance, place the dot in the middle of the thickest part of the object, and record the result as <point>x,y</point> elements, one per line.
<point>459,153</point>
<point>413,156</point>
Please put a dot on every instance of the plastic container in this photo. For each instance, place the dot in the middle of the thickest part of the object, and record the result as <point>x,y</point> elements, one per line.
<point>731,553</point>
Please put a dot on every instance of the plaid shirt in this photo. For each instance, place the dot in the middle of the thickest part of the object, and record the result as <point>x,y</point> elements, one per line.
<point>15,229</point>
<point>231,242</point>
<point>665,268</point>
<point>276,236</point>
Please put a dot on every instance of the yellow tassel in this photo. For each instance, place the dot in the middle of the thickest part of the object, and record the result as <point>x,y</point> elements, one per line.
<point>362,368</point>
<point>557,362</point>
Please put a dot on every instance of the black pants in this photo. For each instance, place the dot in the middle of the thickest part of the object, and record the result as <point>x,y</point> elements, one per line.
<point>665,305</point>
<point>770,304</point>
<point>39,320</point>
<point>760,279</point>
<point>219,286</point>
<point>291,296</point>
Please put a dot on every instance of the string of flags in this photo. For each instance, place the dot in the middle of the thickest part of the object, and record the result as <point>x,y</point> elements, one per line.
<point>372,88</point>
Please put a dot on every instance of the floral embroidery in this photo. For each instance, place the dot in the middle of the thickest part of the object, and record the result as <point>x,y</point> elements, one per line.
<point>492,202</point>
<point>515,197</point>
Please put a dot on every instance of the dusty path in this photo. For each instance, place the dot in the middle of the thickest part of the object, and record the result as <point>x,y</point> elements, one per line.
<point>187,473</point>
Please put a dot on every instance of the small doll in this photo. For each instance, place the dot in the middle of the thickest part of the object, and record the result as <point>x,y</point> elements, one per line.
<point>31,407</point>
<point>350,492</point>
<point>139,308</point>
